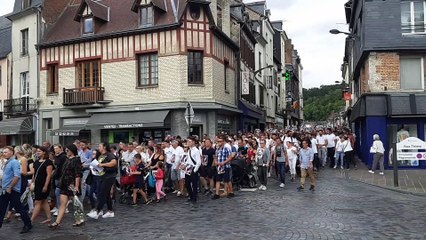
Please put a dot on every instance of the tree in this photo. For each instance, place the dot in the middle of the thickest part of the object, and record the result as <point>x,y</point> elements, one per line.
<point>320,102</point>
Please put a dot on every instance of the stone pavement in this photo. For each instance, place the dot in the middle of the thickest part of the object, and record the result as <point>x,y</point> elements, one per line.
<point>413,181</point>
<point>338,209</point>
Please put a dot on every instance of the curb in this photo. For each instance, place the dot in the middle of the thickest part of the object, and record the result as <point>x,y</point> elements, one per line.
<point>387,188</point>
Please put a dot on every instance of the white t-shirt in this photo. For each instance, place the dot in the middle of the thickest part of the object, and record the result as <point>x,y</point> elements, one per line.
<point>129,156</point>
<point>177,156</point>
<point>314,145</point>
<point>330,138</point>
<point>168,152</point>
<point>291,153</point>
<point>347,146</point>
<point>339,146</point>
<point>321,140</point>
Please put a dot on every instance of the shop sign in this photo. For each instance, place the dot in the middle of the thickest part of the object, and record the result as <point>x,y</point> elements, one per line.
<point>75,121</point>
<point>411,149</point>
<point>130,125</point>
<point>197,119</point>
<point>65,133</point>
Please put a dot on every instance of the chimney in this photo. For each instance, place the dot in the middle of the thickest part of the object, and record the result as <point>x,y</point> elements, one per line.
<point>288,52</point>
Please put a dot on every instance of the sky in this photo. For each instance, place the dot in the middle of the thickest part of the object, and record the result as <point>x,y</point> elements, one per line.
<point>307,23</point>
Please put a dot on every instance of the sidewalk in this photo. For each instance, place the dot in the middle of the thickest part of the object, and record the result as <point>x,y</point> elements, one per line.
<point>410,181</point>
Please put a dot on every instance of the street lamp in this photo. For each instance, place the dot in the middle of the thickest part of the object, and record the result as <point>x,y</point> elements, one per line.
<point>336,31</point>
<point>258,70</point>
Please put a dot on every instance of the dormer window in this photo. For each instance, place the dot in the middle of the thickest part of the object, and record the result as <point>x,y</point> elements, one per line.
<point>26,4</point>
<point>194,11</point>
<point>88,25</point>
<point>146,16</point>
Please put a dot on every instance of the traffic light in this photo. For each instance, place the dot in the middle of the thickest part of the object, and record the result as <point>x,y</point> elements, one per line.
<point>286,75</point>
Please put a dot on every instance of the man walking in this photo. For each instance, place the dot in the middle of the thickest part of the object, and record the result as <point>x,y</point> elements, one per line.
<point>306,157</point>
<point>262,162</point>
<point>11,187</point>
<point>193,164</point>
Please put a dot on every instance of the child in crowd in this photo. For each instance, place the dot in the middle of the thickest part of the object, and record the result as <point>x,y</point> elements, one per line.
<point>139,186</point>
<point>159,179</point>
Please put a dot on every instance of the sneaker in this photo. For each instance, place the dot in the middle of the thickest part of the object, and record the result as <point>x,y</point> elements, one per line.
<point>264,188</point>
<point>55,209</point>
<point>148,202</point>
<point>175,191</point>
<point>261,187</point>
<point>179,194</point>
<point>341,167</point>
<point>269,174</point>
<point>371,171</point>
<point>335,167</point>
<point>91,212</point>
<point>95,214</point>
<point>55,213</point>
<point>282,185</point>
<point>66,210</point>
<point>231,195</point>
<point>134,204</point>
<point>108,214</point>
<point>312,188</point>
<point>215,197</point>
<point>300,188</point>
<point>382,173</point>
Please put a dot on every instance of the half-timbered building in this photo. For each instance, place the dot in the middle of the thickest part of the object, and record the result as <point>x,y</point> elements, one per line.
<point>125,70</point>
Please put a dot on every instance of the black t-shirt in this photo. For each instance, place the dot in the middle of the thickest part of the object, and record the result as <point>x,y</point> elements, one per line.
<point>210,154</point>
<point>242,150</point>
<point>30,161</point>
<point>109,171</point>
<point>140,168</point>
<point>59,162</point>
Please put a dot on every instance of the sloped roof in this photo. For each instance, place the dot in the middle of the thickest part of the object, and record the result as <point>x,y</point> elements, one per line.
<point>18,5</point>
<point>99,10</point>
<point>121,19</point>
<point>5,37</point>
<point>160,4</point>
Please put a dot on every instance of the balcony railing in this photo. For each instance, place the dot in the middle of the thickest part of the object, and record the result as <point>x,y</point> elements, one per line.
<point>83,96</point>
<point>17,106</point>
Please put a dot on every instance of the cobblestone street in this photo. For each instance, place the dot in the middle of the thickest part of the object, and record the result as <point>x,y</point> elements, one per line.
<point>339,209</point>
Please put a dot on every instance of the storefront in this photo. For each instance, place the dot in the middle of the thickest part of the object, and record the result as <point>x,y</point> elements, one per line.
<point>72,129</point>
<point>251,117</point>
<point>116,127</point>
<point>18,130</point>
<point>394,117</point>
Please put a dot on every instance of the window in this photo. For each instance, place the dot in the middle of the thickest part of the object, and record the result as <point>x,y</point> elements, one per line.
<point>89,74</point>
<point>0,77</point>
<point>26,4</point>
<point>261,97</point>
<point>260,61</point>
<point>25,84</point>
<point>48,123</point>
<point>146,16</point>
<point>88,25</point>
<point>24,42</point>
<point>411,73</point>
<point>52,78</point>
<point>148,70</point>
<point>194,10</point>
<point>413,16</point>
<point>195,67</point>
<point>225,77</point>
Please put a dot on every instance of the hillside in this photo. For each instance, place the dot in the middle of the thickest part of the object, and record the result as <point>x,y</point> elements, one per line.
<point>320,102</point>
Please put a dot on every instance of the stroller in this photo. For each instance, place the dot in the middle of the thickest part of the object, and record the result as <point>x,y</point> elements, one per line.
<point>126,182</point>
<point>243,174</point>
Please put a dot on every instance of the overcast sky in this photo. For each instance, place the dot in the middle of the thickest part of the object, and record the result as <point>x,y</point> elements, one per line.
<point>307,22</point>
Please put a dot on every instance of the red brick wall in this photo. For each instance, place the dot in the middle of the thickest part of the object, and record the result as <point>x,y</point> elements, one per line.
<point>381,72</point>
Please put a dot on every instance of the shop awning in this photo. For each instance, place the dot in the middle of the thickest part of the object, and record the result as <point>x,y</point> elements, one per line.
<point>68,131</point>
<point>117,120</point>
<point>250,111</point>
<point>16,126</point>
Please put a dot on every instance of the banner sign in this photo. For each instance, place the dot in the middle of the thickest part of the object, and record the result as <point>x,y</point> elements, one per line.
<point>411,149</point>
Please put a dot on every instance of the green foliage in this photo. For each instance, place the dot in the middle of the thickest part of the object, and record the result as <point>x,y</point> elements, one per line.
<point>320,102</point>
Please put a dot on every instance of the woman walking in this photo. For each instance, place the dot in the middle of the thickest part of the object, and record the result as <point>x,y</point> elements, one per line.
<point>69,185</point>
<point>43,168</point>
<point>378,150</point>
<point>108,163</point>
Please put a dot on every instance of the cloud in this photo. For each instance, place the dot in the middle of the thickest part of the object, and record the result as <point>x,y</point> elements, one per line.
<point>307,23</point>
<point>6,6</point>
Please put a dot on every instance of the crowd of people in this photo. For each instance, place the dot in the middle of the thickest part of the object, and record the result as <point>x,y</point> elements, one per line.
<point>36,177</point>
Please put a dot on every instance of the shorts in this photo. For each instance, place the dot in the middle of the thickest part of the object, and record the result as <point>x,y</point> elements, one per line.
<point>225,177</point>
<point>207,172</point>
<point>139,184</point>
<point>175,175</point>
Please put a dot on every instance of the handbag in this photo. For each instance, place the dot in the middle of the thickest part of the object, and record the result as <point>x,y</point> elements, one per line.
<point>151,180</point>
<point>373,149</point>
<point>32,185</point>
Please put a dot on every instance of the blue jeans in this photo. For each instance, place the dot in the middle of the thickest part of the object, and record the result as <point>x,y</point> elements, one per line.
<point>339,156</point>
<point>94,189</point>
<point>57,194</point>
<point>281,171</point>
<point>14,199</point>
